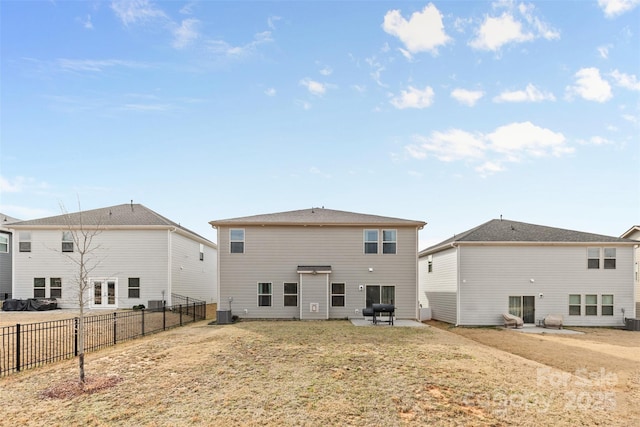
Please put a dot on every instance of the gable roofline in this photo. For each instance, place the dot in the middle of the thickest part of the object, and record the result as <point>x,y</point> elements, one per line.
<point>630,231</point>
<point>505,232</point>
<point>318,217</point>
<point>128,216</point>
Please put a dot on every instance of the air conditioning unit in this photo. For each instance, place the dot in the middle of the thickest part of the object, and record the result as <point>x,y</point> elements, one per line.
<point>155,305</point>
<point>223,317</point>
<point>632,324</point>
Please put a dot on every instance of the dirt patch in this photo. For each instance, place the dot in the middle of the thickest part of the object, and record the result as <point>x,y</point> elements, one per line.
<point>313,373</point>
<point>74,388</point>
<point>599,359</point>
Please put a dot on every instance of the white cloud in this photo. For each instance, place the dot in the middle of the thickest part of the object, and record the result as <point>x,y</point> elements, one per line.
<point>423,32</point>
<point>314,87</point>
<point>271,21</point>
<point>413,98</point>
<point>223,48</point>
<point>11,187</point>
<point>590,86</point>
<point>613,8</point>
<point>604,51</point>
<point>86,23</point>
<point>186,33</point>
<point>529,94</point>
<point>596,140</point>
<point>496,32</point>
<point>517,24</point>
<point>448,146</point>
<point>467,97</point>
<point>326,71</point>
<point>514,142</point>
<point>270,92</point>
<point>518,140</point>
<point>97,65</point>
<point>134,11</point>
<point>20,184</point>
<point>628,81</point>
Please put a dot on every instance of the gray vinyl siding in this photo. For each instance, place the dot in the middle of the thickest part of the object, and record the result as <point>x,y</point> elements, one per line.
<point>438,288</point>
<point>490,274</point>
<point>121,254</point>
<point>273,253</point>
<point>5,268</point>
<point>191,277</point>
<point>314,290</point>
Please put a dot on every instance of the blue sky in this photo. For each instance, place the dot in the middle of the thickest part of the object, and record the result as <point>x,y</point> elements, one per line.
<point>453,113</point>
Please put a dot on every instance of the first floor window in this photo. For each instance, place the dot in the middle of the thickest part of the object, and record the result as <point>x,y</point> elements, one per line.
<point>134,287</point>
<point>591,305</point>
<point>290,294</point>
<point>607,305</point>
<point>55,284</point>
<point>39,287</point>
<point>575,305</point>
<point>370,241</point>
<point>337,294</point>
<point>264,294</point>
<point>609,258</point>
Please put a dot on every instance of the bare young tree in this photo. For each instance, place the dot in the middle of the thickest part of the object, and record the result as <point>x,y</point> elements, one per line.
<point>85,259</point>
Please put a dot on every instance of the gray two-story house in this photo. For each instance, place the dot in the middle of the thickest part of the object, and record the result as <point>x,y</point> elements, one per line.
<point>530,271</point>
<point>317,264</point>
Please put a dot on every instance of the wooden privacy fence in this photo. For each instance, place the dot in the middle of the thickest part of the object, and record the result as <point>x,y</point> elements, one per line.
<point>25,346</point>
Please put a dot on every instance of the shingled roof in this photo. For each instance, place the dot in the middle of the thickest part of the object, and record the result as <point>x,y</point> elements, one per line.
<point>318,216</point>
<point>128,215</point>
<point>501,230</point>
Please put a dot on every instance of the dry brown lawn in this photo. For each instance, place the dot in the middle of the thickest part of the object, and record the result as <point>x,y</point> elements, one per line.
<point>333,373</point>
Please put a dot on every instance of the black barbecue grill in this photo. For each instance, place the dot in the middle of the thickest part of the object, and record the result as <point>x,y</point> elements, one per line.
<point>379,311</point>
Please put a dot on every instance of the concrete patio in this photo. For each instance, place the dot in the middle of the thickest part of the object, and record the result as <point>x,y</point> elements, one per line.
<point>396,323</point>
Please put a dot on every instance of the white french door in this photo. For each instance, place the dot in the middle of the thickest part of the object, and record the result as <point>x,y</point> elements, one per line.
<point>104,293</point>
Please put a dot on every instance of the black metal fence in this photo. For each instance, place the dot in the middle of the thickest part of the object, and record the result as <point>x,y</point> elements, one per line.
<point>25,346</point>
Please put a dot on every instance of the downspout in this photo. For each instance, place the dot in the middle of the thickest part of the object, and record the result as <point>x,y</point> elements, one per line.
<point>458,248</point>
<point>170,264</point>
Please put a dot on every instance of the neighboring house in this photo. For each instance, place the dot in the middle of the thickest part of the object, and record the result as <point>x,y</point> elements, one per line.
<point>530,271</point>
<point>6,255</point>
<point>634,233</point>
<point>138,256</point>
<point>317,264</point>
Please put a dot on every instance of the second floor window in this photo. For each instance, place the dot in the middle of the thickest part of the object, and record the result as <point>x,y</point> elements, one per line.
<point>67,241</point>
<point>4,243</point>
<point>370,241</point>
<point>24,241</point>
<point>389,241</point>
<point>236,240</point>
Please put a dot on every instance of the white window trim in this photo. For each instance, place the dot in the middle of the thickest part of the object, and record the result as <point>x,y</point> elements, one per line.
<point>243,241</point>
<point>365,241</point>
<point>344,294</point>
<point>263,294</point>
<point>395,242</point>
<point>285,294</point>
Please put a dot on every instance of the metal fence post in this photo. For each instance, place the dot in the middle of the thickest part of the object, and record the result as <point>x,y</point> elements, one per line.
<point>18,347</point>
<point>142,322</point>
<point>75,336</point>
<point>115,318</point>
<point>164,315</point>
<point>194,311</point>
<point>180,308</point>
